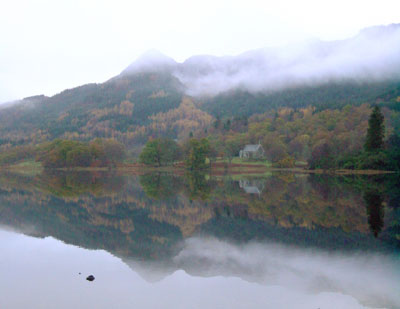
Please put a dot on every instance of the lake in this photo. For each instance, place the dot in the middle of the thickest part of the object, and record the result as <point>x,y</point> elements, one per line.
<point>159,240</point>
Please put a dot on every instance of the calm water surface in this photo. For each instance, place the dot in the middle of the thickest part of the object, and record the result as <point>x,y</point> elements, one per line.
<point>199,241</point>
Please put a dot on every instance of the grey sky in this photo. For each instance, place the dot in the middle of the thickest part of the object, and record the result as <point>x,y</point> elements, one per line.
<point>47,46</point>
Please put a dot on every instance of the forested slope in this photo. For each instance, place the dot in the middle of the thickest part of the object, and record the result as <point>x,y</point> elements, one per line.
<point>226,97</point>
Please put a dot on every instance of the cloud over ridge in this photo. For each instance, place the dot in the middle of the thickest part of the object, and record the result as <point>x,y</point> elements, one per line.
<point>371,56</point>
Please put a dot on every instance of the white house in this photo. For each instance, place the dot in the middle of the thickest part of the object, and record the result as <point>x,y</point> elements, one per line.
<point>252,152</point>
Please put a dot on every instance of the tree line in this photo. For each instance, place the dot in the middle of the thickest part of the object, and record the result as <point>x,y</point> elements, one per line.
<point>164,151</point>
<point>352,138</point>
<point>68,153</point>
<point>377,153</point>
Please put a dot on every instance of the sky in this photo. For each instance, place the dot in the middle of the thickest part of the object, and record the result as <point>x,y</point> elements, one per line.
<point>47,46</point>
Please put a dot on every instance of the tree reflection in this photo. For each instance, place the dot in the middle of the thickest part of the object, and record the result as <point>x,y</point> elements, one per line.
<point>69,184</point>
<point>66,184</point>
<point>160,185</point>
<point>375,211</point>
<point>197,186</point>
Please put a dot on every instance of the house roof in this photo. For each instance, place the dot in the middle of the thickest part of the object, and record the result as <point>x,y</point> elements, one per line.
<point>251,148</point>
<point>252,190</point>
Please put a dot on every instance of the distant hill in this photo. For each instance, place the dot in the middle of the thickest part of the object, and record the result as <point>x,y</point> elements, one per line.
<point>157,96</point>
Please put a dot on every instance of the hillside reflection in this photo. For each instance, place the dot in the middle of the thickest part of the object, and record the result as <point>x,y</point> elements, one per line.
<point>146,217</point>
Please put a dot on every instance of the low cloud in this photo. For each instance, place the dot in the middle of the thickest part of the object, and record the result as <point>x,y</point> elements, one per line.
<point>373,55</point>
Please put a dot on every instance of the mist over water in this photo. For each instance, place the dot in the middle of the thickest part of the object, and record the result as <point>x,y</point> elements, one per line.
<point>371,279</point>
<point>207,273</point>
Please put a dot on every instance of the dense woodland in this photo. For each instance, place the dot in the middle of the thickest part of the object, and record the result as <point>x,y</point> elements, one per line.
<point>296,125</point>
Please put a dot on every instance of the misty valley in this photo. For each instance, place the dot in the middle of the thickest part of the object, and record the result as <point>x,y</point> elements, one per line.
<point>287,240</point>
<point>264,179</point>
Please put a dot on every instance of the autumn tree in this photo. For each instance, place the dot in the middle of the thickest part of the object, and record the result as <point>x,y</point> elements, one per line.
<point>64,153</point>
<point>67,153</point>
<point>197,151</point>
<point>376,131</point>
<point>322,156</point>
<point>107,151</point>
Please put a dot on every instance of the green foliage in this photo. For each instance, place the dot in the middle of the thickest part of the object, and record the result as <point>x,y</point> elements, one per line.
<point>151,153</point>
<point>160,151</point>
<point>197,186</point>
<point>197,151</point>
<point>376,131</point>
<point>374,156</point>
<point>66,153</point>
<point>160,186</point>
<point>393,152</point>
<point>232,147</point>
<point>16,154</point>
<point>373,161</point>
<point>388,159</point>
<point>328,96</point>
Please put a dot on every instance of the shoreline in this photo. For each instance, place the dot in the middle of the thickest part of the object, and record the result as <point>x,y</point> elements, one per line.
<point>217,169</point>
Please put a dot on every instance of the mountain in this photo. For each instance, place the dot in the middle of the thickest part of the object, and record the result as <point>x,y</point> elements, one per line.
<point>156,96</point>
<point>151,61</point>
<point>371,56</point>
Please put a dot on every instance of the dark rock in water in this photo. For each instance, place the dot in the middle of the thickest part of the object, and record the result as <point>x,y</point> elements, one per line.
<point>90,278</point>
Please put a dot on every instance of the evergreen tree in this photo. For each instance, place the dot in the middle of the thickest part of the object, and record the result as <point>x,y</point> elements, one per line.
<point>376,131</point>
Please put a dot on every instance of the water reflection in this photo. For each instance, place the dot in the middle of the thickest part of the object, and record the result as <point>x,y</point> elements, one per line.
<point>307,271</point>
<point>160,186</point>
<point>153,212</point>
<point>197,185</point>
<point>252,186</point>
<point>375,210</point>
<point>285,229</point>
<point>205,273</point>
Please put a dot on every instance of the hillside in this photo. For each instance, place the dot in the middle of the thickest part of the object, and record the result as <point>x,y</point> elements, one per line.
<point>156,96</point>
<point>113,108</point>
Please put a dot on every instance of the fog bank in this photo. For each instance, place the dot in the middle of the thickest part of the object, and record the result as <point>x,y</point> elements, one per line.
<point>373,55</point>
